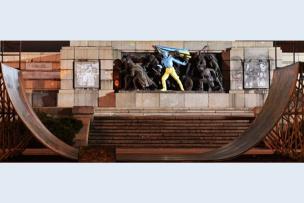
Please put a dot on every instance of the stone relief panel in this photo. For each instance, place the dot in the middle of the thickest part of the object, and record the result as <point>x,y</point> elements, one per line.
<point>86,74</point>
<point>256,69</point>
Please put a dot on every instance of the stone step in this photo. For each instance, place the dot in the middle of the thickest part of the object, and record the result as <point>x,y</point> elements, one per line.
<point>157,145</point>
<point>178,137</point>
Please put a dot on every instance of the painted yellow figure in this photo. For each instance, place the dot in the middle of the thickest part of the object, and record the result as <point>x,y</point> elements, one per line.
<point>171,71</point>
<point>167,62</point>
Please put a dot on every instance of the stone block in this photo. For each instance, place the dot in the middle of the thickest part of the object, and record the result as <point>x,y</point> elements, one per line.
<point>66,84</point>
<point>66,98</point>
<point>67,64</point>
<point>236,65</point>
<point>66,74</point>
<point>236,74</point>
<point>102,93</point>
<point>79,43</point>
<point>128,45</point>
<point>237,54</point>
<point>105,53</point>
<point>125,99</point>
<point>237,100</point>
<point>236,84</point>
<point>42,84</point>
<point>39,75</point>
<point>253,100</point>
<point>67,53</point>
<point>145,45</point>
<point>86,53</point>
<point>147,100</point>
<point>172,100</point>
<point>264,43</point>
<point>107,99</point>
<point>175,44</point>
<point>74,43</point>
<point>106,64</point>
<point>196,100</point>
<point>116,44</point>
<point>195,45</point>
<point>256,53</point>
<point>116,54</point>
<point>106,84</point>
<point>106,74</point>
<point>219,45</point>
<point>237,44</point>
<point>86,97</point>
<point>99,43</point>
<point>218,100</point>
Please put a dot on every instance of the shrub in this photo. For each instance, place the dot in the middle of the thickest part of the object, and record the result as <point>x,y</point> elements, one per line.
<point>65,128</point>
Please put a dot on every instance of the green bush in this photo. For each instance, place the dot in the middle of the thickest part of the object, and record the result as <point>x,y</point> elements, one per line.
<point>65,128</point>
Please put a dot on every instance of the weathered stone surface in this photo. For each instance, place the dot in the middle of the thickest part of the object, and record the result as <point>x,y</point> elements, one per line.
<point>236,84</point>
<point>67,64</point>
<point>116,54</point>
<point>66,74</point>
<point>172,100</point>
<point>237,99</point>
<point>83,43</point>
<point>125,45</point>
<point>40,75</point>
<point>145,45</point>
<point>256,53</point>
<point>147,100</point>
<point>106,98</point>
<point>66,84</point>
<point>106,74</point>
<point>125,100</point>
<point>66,98</point>
<point>128,45</point>
<point>253,100</point>
<point>38,66</point>
<point>67,53</point>
<point>106,64</point>
<point>42,84</point>
<point>195,45</point>
<point>106,84</point>
<point>105,53</point>
<point>236,74</point>
<point>196,100</point>
<point>218,100</point>
<point>219,45</point>
<point>237,54</point>
<point>236,65</point>
<point>175,44</point>
<point>264,43</point>
<point>86,97</point>
<point>86,53</point>
<point>100,43</point>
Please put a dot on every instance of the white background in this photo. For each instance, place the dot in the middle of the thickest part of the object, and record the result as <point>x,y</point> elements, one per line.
<point>151,20</point>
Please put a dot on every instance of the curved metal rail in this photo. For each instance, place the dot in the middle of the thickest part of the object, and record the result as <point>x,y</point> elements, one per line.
<point>13,83</point>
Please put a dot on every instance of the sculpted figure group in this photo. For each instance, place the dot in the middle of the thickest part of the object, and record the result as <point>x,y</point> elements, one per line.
<point>196,71</point>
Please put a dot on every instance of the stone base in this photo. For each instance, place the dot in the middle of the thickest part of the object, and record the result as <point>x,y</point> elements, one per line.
<point>188,100</point>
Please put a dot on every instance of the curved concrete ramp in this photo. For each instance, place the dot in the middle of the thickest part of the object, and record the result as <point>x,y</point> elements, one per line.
<point>16,93</point>
<point>282,88</point>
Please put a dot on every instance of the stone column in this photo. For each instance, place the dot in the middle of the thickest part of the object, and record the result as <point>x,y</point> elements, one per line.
<point>66,92</point>
<point>106,96</point>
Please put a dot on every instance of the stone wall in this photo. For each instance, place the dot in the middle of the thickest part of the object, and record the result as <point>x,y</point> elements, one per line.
<point>107,51</point>
<point>68,96</point>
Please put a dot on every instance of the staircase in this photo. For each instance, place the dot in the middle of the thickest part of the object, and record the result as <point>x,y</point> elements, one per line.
<point>175,132</point>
